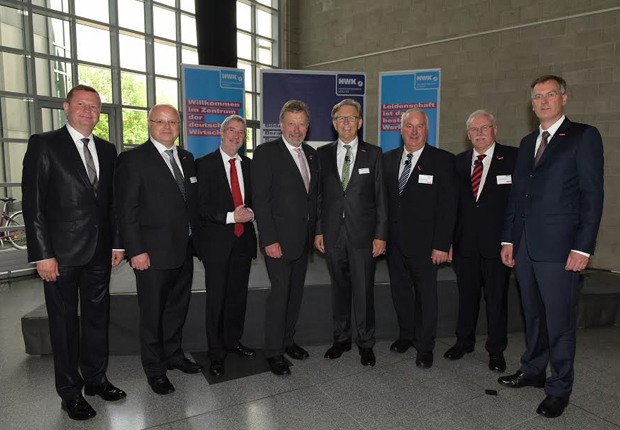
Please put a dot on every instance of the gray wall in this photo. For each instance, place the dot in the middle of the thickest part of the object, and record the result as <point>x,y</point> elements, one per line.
<point>578,39</point>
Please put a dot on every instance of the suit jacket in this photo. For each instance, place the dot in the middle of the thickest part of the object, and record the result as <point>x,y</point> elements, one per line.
<point>364,203</point>
<point>64,217</point>
<point>479,224</point>
<point>559,202</point>
<point>215,200</point>
<point>422,218</point>
<point>284,211</point>
<point>152,215</point>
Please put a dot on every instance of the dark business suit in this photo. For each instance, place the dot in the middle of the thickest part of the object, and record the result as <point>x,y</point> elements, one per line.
<point>285,213</point>
<point>226,257</point>
<point>67,219</point>
<point>154,218</point>
<point>554,207</point>
<point>420,219</point>
<point>349,222</point>
<point>477,246</point>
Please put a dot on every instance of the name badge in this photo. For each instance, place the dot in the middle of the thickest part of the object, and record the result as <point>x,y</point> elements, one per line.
<point>193,180</point>
<point>425,179</point>
<point>504,179</point>
<point>363,171</point>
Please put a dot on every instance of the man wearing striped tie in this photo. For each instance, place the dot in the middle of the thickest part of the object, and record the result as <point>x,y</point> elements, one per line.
<point>422,200</point>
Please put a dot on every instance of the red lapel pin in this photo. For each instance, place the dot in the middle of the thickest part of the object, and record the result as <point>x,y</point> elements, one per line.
<point>562,134</point>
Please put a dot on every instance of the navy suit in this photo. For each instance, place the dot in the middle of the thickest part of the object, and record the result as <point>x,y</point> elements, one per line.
<point>554,207</point>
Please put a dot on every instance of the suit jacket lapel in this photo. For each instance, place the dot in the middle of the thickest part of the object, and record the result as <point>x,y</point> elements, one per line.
<point>161,165</point>
<point>245,171</point>
<point>361,159</point>
<point>313,177</point>
<point>72,154</point>
<point>333,160</point>
<point>555,141</point>
<point>291,163</point>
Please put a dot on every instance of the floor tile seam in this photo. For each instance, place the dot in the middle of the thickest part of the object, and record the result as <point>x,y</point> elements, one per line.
<point>169,423</point>
<point>592,413</point>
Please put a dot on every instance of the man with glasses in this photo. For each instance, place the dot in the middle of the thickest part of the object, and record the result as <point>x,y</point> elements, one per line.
<point>67,200</point>
<point>351,228</point>
<point>552,221</point>
<point>156,204</point>
<point>484,178</point>
<point>227,241</point>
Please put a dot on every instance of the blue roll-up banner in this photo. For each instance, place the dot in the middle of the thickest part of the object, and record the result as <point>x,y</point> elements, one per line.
<point>319,90</point>
<point>210,94</point>
<point>400,91</point>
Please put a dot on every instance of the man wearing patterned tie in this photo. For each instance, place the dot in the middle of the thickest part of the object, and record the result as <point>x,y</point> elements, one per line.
<point>351,228</point>
<point>156,205</point>
<point>285,177</point>
<point>227,241</point>
<point>422,200</point>
<point>67,201</point>
<point>484,177</point>
<point>550,230</point>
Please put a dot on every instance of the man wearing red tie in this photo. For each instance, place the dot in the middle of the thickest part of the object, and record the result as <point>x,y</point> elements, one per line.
<point>227,241</point>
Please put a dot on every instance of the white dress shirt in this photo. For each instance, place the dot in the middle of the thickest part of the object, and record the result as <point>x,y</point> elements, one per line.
<point>77,139</point>
<point>340,154</point>
<point>161,148</point>
<point>293,150</point>
<point>486,164</point>
<point>230,216</point>
<point>414,160</point>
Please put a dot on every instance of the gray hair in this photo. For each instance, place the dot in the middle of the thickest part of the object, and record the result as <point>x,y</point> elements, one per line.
<point>294,106</point>
<point>410,111</point>
<point>544,78</point>
<point>232,118</point>
<point>476,113</point>
<point>347,102</point>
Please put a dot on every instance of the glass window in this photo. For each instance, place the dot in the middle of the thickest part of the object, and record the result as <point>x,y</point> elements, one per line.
<point>264,52</point>
<point>93,44</point>
<point>270,3</point>
<point>188,30</point>
<point>167,91</point>
<point>13,158</point>
<point>12,72</point>
<point>244,16</point>
<point>52,36</point>
<point>135,126</point>
<point>59,5</point>
<point>189,56</point>
<point>53,119</point>
<point>15,118</point>
<point>102,129</point>
<point>166,2</point>
<point>132,52</point>
<point>263,23</point>
<point>165,59</point>
<point>248,74</point>
<point>53,78</point>
<point>249,139</point>
<point>11,28</point>
<point>131,14</point>
<point>98,10</point>
<point>244,45</point>
<point>133,89</point>
<point>188,6</point>
<point>98,78</point>
<point>164,23</point>
<point>249,112</point>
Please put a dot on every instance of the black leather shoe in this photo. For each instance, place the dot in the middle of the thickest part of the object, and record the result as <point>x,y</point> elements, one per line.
<point>243,351</point>
<point>216,368</point>
<point>297,352</point>
<point>78,408</point>
<point>458,351</point>
<point>367,357</point>
<point>161,385</point>
<point>497,361</point>
<point>337,349</point>
<point>186,366</point>
<point>278,365</point>
<point>424,359</point>
<point>401,346</point>
<point>520,379</point>
<point>106,391</point>
<point>552,407</point>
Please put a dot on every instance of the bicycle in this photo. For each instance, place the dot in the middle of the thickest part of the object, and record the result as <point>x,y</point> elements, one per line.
<point>17,236</point>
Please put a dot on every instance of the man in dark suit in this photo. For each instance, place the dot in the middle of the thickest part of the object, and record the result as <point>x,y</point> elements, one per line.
<point>156,204</point>
<point>285,176</point>
<point>484,177</point>
<point>422,200</point>
<point>67,201</point>
<point>552,220</point>
<point>351,228</point>
<point>227,241</point>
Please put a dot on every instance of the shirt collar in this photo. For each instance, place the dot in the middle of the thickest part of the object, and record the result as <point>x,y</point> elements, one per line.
<point>553,128</point>
<point>227,157</point>
<point>76,135</point>
<point>415,153</point>
<point>289,146</point>
<point>489,152</point>
<point>161,148</point>
<point>352,144</point>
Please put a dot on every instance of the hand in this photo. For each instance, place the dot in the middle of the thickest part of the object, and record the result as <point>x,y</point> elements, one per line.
<point>243,214</point>
<point>48,269</point>
<point>141,261</point>
<point>439,257</point>
<point>450,254</point>
<point>507,257</point>
<point>378,247</point>
<point>318,243</point>
<point>274,250</point>
<point>117,257</point>
<point>576,262</point>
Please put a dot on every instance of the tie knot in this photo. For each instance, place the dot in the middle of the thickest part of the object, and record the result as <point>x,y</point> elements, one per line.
<point>347,147</point>
<point>85,141</point>
<point>409,156</point>
<point>232,161</point>
<point>545,134</point>
<point>481,157</point>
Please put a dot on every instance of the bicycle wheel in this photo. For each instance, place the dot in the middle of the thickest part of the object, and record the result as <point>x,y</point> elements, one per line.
<point>17,237</point>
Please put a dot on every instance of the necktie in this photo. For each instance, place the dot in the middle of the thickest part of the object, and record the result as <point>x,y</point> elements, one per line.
<point>90,165</point>
<point>304,172</point>
<point>178,176</point>
<point>346,167</point>
<point>404,177</point>
<point>476,175</point>
<point>541,147</point>
<point>236,193</point>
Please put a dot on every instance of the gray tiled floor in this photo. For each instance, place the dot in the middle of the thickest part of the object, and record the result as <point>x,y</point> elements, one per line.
<point>321,394</point>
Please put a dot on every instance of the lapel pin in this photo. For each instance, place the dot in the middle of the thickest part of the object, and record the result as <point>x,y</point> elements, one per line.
<point>419,168</point>
<point>562,134</point>
<point>500,158</point>
<point>363,150</point>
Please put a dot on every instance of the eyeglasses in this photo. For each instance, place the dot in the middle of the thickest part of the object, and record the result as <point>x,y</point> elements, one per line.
<point>235,131</point>
<point>549,95</point>
<point>349,118</point>
<point>482,128</point>
<point>160,122</point>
